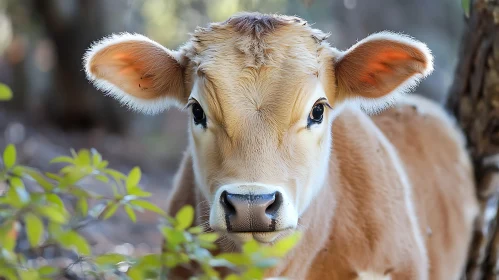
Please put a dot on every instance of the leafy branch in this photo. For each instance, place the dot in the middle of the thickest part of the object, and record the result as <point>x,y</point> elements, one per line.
<point>43,212</point>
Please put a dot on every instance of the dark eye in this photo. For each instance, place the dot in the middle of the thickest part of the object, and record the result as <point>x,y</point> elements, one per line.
<point>198,114</point>
<point>316,114</point>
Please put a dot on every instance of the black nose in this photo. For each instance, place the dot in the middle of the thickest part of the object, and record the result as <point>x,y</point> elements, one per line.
<point>250,212</point>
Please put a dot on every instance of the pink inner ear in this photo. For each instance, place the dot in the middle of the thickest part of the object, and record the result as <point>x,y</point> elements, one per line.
<point>379,66</point>
<point>140,69</point>
<point>376,68</point>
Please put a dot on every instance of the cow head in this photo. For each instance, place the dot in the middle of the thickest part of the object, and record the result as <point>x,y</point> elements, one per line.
<point>262,92</point>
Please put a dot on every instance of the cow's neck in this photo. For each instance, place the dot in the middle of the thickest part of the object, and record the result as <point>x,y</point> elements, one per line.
<point>315,226</point>
<point>347,197</point>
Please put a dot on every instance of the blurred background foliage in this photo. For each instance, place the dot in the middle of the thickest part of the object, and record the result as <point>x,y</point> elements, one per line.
<point>43,42</point>
<point>54,108</point>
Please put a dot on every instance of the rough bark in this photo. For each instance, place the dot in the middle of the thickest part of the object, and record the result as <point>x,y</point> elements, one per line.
<point>474,99</point>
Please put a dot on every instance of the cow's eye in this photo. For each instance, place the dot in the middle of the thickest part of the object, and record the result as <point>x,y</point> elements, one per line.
<point>316,115</point>
<point>198,114</point>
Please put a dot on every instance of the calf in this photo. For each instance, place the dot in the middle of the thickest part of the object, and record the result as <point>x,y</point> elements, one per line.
<point>279,141</point>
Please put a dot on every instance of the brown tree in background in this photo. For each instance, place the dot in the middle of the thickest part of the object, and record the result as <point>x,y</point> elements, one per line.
<point>474,99</point>
<point>73,26</point>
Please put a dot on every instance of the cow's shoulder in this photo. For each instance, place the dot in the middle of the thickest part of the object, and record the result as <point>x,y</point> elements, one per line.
<point>432,150</point>
<point>373,199</point>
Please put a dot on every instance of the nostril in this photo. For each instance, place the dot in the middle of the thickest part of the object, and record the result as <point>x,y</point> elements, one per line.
<point>227,205</point>
<point>272,209</point>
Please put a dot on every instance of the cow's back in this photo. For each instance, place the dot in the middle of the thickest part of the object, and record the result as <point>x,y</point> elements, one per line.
<point>434,157</point>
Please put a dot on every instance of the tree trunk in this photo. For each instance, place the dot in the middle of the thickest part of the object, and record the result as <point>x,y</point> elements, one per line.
<point>73,103</point>
<point>474,99</point>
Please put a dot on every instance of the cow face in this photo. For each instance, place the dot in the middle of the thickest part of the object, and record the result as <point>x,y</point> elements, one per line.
<point>262,92</point>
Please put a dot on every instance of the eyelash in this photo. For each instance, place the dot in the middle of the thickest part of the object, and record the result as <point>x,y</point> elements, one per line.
<point>198,114</point>
<point>317,108</point>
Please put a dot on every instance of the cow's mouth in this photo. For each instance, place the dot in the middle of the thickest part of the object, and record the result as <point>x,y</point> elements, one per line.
<point>264,237</point>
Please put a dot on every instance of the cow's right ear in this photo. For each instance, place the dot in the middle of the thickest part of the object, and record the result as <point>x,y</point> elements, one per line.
<point>137,71</point>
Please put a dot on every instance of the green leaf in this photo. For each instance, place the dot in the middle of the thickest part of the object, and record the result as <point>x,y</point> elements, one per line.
<point>5,92</point>
<point>171,260</point>
<point>195,230</point>
<point>53,213</point>
<point>151,260</point>
<point>16,182</point>
<point>136,191</point>
<point>9,156</point>
<point>39,178</point>
<point>47,270</point>
<point>233,277</point>
<point>28,274</point>
<point>466,5</point>
<point>173,237</point>
<point>283,246</point>
<point>55,229</point>
<point>117,176</point>
<point>34,229</point>
<point>250,247</point>
<point>13,199</point>
<point>135,273</point>
<point>82,206</point>
<point>53,176</point>
<point>18,185</point>
<point>56,200</point>
<point>72,239</point>
<point>130,213</point>
<point>109,259</point>
<point>209,271</point>
<point>63,159</point>
<point>8,235</point>
<point>148,206</point>
<point>9,273</point>
<point>18,171</point>
<point>73,176</point>
<point>207,245</point>
<point>83,158</point>
<point>102,164</point>
<point>234,258</point>
<point>133,178</point>
<point>184,217</point>
<point>69,169</point>
<point>111,209</point>
<point>208,237</point>
<point>96,157</point>
<point>78,192</point>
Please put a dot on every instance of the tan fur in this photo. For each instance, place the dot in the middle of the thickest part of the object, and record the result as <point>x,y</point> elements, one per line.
<point>366,191</point>
<point>368,230</point>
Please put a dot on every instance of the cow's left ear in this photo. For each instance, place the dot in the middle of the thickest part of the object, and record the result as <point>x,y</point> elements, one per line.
<point>380,67</point>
